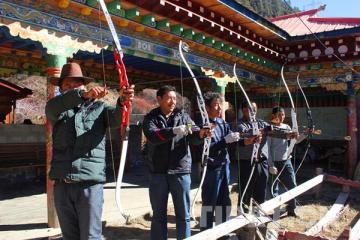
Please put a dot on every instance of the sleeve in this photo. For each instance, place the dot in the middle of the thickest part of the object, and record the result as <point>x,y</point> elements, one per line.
<point>242,128</point>
<point>114,114</point>
<point>270,154</point>
<point>278,133</point>
<point>218,145</point>
<point>154,134</point>
<point>301,138</point>
<point>62,103</point>
<point>194,138</point>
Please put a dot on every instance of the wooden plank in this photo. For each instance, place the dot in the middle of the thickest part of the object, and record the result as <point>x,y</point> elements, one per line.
<point>342,181</point>
<point>275,202</point>
<point>228,227</point>
<point>330,216</point>
<point>240,221</point>
<point>355,231</point>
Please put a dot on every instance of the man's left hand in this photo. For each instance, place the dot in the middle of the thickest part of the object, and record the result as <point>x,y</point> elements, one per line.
<point>127,94</point>
<point>293,135</point>
<point>206,132</point>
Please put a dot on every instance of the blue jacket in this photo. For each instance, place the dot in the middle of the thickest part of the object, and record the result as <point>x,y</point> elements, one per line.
<point>168,153</point>
<point>218,148</point>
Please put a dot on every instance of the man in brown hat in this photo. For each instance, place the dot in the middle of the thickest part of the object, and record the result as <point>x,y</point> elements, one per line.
<point>79,123</point>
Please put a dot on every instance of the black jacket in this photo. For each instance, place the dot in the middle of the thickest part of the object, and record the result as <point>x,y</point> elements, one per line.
<point>168,153</point>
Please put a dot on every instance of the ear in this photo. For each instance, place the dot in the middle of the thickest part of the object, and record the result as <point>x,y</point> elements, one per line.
<point>158,98</point>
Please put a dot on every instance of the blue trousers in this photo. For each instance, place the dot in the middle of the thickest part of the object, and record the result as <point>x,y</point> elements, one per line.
<point>258,182</point>
<point>287,178</point>
<point>79,209</point>
<point>215,196</point>
<point>178,185</point>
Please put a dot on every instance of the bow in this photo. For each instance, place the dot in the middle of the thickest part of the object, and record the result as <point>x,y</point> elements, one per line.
<point>293,129</point>
<point>310,122</point>
<point>255,131</point>
<point>205,122</point>
<point>125,120</point>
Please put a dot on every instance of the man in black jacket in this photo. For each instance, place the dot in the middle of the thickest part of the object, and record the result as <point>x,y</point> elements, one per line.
<point>169,131</point>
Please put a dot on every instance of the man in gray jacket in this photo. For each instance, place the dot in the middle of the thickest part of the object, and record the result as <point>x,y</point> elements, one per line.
<point>78,163</point>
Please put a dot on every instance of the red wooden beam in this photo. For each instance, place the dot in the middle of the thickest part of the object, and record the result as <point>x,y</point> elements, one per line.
<point>342,181</point>
<point>288,235</point>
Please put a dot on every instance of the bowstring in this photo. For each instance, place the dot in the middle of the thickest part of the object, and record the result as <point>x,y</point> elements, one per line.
<point>105,86</point>
<point>237,143</point>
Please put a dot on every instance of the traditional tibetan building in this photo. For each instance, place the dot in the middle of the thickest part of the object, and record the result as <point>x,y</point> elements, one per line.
<point>38,36</point>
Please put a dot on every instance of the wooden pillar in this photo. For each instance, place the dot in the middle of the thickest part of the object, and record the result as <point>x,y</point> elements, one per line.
<point>54,65</point>
<point>351,131</point>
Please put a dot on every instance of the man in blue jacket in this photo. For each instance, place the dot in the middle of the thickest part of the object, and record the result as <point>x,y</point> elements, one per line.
<point>169,131</point>
<point>78,164</point>
<point>215,190</point>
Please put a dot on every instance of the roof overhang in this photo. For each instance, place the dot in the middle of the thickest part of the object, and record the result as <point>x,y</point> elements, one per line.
<point>246,17</point>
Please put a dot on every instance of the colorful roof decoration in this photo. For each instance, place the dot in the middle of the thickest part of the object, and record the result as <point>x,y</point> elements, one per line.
<point>294,26</point>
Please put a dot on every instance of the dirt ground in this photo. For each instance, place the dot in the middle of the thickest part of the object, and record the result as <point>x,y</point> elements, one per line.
<point>310,211</point>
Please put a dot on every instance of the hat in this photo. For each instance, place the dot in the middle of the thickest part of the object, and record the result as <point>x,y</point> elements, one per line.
<point>70,70</point>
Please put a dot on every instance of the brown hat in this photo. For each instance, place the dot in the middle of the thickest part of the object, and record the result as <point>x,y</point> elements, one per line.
<point>70,70</point>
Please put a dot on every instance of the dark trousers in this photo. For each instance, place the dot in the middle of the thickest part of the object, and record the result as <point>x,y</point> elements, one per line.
<point>215,196</point>
<point>257,185</point>
<point>179,187</point>
<point>287,178</point>
<point>79,209</point>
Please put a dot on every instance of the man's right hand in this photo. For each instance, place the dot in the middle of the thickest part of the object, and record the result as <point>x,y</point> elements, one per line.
<point>232,137</point>
<point>253,139</point>
<point>273,170</point>
<point>95,93</point>
<point>181,130</point>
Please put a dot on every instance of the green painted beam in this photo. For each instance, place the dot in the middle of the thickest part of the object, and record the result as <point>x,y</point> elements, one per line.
<point>199,37</point>
<point>114,7</point>
<point>163,24</point>
<point>209,41</point>
<point>92,3</point>
<point>148,20</point>
<point>219,45</point>
<point>227,48</point>
<point>176,29</point>
<point>132,13</point>
<point>188,33</point>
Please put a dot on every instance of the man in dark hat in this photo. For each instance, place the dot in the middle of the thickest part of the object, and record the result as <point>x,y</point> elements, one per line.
<point>79,123</point>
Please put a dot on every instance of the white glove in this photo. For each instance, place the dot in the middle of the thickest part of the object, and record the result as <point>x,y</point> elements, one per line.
<point>273,170</point>
<point>232,137</point>
<point>181,130</point>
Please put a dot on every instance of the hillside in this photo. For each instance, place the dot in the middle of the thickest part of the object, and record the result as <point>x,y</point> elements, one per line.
<point>268,8</point>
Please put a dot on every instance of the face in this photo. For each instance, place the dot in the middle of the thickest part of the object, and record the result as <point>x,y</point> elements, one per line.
<point>167,102</point>
<point>214,110</point>
<point>245,110</point>
<point>278,118</point>
<point>71,83</point>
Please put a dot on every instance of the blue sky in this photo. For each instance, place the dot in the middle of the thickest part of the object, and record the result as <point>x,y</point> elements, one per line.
<point>334,8</point>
